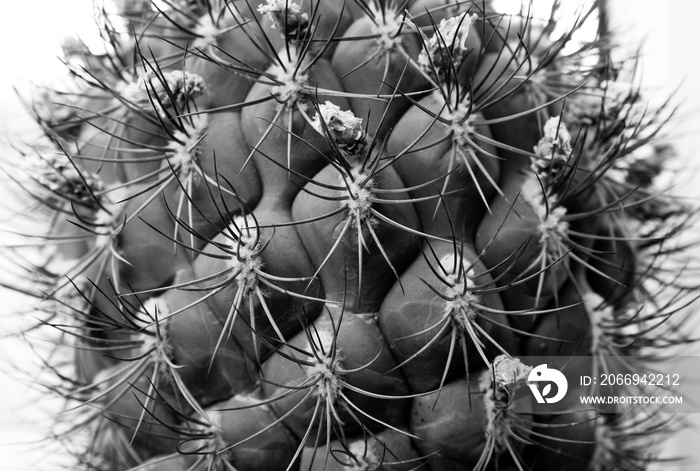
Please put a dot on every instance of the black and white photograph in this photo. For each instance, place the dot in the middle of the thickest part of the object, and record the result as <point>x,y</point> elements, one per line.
<point>350,235</point>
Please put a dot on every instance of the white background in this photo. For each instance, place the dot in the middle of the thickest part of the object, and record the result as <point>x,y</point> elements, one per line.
<point>29,35</point>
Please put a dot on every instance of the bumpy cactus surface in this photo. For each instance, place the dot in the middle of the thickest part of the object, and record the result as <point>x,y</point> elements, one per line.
<point>319,234</point>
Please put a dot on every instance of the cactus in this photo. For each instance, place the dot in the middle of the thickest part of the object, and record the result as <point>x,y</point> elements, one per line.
<point>318,235</point>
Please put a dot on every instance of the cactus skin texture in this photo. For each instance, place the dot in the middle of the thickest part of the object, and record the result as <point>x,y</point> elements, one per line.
<point>315,235</point>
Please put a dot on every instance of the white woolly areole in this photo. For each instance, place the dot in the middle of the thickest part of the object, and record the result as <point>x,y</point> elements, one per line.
<point>552,151</point>
<point>215,419</point>
<point>326,363</point>
<point>600,315</point>
<point>508,372</point>
<point>343,126</point>
<point>387,25</point>
<point>247,263</point>
<point>291,83</point>
<point>207,32</point>
<point>182,85</point>
<point>555,144</point>
<point>212,426</point>
<point>55,172</point>
<point>247,234</point>
<point>366,457</point>
<point>459,290</point>
<point>358,194</point>
<point>160,348</point>
<point>461,122</point>
<point>184,147</point>
<point>452,33</point>
<point>497,385</point>
<point>278,6</point>
<point>157,346</point>
<point>556,132</point>
<point>283,11</point>
<point>156,305</point>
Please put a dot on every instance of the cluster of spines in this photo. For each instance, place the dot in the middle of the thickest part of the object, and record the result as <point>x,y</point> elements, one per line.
<point>159,112</point>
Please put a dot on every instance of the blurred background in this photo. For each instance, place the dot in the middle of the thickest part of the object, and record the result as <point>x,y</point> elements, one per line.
<point>30,36</point>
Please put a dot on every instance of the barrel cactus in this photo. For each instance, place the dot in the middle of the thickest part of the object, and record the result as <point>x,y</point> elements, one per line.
<point>308,235</point>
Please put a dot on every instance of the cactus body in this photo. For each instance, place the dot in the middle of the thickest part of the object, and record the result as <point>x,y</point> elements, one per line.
<point>314,236</point>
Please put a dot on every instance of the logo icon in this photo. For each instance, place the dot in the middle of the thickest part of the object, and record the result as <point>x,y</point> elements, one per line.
<point>549,377</point>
